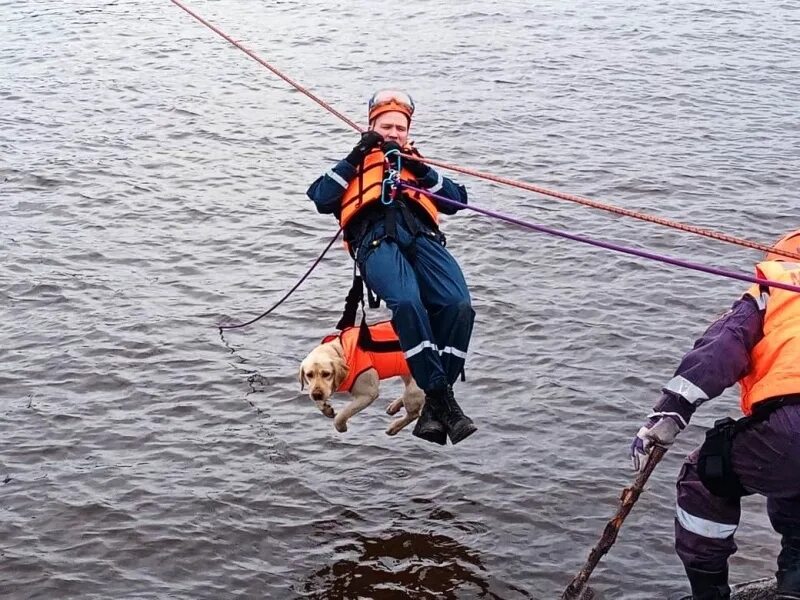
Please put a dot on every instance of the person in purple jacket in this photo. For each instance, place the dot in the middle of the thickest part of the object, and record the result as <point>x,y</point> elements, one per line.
<point>757,343</point>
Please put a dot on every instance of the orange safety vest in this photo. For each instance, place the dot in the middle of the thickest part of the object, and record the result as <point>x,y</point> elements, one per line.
<point>366,186</point>
<point>775,360</point>
<point>387,364</point>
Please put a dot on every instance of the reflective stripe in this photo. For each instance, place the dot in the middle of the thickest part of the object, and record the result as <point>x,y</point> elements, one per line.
<point>439,183</point>
<point>704,527</point>
<point>430,345</point>
<point>669,414</point>
<point>336,177</point>
<point>419,348</point>
<point>454,352</point>
<point>683,387</point>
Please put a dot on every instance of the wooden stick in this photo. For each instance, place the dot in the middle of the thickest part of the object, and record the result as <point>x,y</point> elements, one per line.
<point>628,498</point>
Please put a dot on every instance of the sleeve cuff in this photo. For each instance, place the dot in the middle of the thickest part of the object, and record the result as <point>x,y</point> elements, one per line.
<point>432,181</point>
<point>345,170</point>
<point>671,402</point>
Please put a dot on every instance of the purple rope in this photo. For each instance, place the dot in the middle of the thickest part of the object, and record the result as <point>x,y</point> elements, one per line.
<point>287,294</point>
<point>677,262</point>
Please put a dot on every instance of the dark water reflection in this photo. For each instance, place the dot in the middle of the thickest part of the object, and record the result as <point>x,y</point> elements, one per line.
<point>401,564</point>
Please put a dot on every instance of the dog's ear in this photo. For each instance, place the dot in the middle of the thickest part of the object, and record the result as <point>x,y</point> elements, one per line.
<point>302,377</point>
<point>340,372</point>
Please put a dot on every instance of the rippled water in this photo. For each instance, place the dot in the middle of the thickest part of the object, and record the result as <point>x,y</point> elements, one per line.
<point>152,184</point>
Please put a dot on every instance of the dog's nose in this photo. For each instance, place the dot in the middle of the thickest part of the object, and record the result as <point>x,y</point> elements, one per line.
<point>317,395</point>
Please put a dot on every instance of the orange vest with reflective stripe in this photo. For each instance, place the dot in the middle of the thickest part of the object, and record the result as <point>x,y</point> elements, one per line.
<point>775,360</point>
<point>365,188</point>
<point>387,364</point>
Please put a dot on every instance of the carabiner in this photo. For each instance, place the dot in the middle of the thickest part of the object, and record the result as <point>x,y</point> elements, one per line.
<point>392,178</point>
<point>389,182</point>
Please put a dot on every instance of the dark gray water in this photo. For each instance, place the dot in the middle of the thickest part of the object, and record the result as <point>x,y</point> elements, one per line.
<point>152,183</point>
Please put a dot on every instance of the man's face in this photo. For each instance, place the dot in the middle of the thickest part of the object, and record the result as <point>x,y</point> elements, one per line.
<point>393,126</point>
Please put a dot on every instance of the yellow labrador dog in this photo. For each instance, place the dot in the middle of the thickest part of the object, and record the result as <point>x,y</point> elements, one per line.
<point>355,361</point>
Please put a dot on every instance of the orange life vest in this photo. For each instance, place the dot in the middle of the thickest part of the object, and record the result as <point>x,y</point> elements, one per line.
<point>387,364</point>
<point>366,186</point>
<point>775,360</point>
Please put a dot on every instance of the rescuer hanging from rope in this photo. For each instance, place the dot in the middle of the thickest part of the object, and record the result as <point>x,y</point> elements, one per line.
<point>394,238</point>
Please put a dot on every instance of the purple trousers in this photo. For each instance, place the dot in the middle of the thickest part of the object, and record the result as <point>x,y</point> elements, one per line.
<point>766,457</point>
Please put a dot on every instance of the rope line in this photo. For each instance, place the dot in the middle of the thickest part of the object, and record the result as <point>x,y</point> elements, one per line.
<point>287,294</point>
<point>709,233</point>
<point>264,63</point>
<point>609,245</point>
<point>715,235</point>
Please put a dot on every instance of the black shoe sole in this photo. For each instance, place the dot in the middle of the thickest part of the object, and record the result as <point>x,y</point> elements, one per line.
<point>461,433</point>
<point>435,437</point>
<point>431,435</point>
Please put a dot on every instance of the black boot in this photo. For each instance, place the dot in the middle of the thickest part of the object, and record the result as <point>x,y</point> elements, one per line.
<point>459,426</point>
<point>709,585</point>
<point>429,426</point>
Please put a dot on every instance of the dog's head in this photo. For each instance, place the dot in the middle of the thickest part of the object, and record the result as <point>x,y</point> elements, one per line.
<point>323,371</point>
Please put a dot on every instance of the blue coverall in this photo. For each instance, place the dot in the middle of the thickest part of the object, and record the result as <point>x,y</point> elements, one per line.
<point>417,278</point>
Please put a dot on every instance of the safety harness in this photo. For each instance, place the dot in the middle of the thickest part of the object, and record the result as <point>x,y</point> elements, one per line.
<point>386,211</point>
<point>391,203</point>
<point>355,298</point>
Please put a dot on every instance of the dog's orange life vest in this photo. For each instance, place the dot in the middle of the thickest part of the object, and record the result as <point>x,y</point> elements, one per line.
<point>365,188</point>
<point>387,363</point>
<point>775,368</point>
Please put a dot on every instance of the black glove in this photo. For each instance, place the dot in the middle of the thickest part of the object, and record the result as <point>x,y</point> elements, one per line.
<point>418,169</point>
<point>369,140</point>
<point>391,146</point>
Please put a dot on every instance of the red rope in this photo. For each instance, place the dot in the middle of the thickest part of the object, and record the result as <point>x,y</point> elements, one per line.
<point>723,237</point>
<point>264,63</point>
<point>715,235</point>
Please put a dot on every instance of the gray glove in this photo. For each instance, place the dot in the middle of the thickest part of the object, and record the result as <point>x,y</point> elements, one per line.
<point>661,429</point>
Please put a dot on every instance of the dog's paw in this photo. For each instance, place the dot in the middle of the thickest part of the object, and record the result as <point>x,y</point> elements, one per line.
<point>328,411</point>
<point>394,407</point>
<point>341,426</point>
